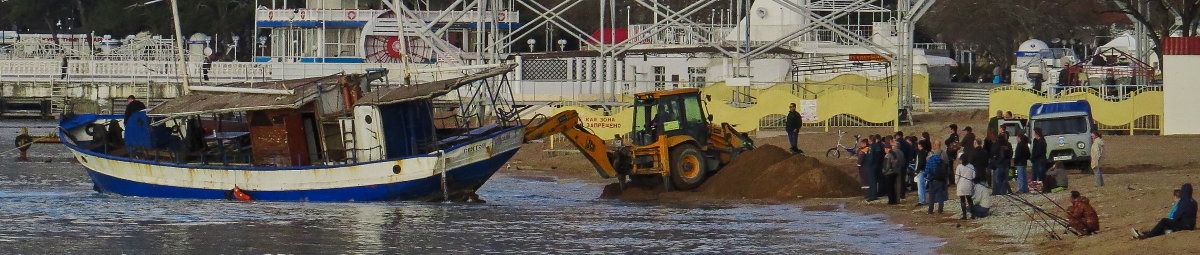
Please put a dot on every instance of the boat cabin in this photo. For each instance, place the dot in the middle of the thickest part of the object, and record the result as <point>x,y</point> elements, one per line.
<point>331,120</point>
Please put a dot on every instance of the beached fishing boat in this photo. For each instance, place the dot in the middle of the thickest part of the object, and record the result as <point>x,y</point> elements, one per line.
<point>332,138</point>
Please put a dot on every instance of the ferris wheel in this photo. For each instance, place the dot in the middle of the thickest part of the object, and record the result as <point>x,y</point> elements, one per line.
<point>390,48</point>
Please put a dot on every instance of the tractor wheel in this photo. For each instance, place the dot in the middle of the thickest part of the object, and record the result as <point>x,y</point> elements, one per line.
<point>687,167</point>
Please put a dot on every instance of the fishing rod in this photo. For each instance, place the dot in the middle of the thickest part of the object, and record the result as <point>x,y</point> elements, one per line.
<point>1035,221</point>
<point>1057,219</point>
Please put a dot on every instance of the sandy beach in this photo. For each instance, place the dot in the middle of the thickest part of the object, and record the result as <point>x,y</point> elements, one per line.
<point>1140,173</point>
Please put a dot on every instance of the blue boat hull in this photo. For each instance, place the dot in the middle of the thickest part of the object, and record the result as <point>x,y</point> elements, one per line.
<point>460,181</point>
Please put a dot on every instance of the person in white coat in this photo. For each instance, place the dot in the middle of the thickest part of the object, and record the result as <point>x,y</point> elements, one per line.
<point>963,174</point>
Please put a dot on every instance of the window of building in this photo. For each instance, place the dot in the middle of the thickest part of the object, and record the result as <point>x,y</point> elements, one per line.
<point>660,78</point>
<point>341,42</point>
<point>696,76</point>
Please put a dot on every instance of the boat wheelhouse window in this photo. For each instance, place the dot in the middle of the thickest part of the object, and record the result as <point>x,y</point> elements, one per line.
<point>408,128</point>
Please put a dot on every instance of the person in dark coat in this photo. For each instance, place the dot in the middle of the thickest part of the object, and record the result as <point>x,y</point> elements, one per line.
<point>978,158</point>
<point>922,178</point>
<point>133,105</point>
<point>908,151</point>
<point>894,165</point>
<point>936,191</point>
<point>1020,160</point>
<point>994,122</point>
<point>1002,155</point>
<point>1182,216</point>
<point>875,167</point>
<point>792,127</point>
<point>64,68</point>
<point>1037,155</point>
<point>913,160</point>
<point>968,138</point>
<point>952,141</point>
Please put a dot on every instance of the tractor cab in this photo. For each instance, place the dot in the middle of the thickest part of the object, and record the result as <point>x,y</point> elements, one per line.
<point>669,114</point>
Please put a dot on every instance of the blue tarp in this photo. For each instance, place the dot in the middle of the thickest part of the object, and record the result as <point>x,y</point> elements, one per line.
<point>79,120</point>
<point>407,128</point>
<point>139,134</point>
<point>1062,106</point>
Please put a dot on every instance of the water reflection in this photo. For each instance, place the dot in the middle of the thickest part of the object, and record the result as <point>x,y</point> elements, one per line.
<point>521,216</point>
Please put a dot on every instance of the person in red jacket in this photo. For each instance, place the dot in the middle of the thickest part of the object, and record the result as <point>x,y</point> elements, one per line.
<point>1081,216</point>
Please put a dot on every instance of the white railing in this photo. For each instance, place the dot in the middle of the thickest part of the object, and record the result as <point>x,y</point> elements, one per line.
<point>100,71</point>
<point>930,46</point>
<point>34,70</point>
<point>471,16</point>
<point>720,32</point>
<point>680,34</point>
<point>367,15</point>
<point>316,15</point>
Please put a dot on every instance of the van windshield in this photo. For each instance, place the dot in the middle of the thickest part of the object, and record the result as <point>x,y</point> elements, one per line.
<point>1060,126</point>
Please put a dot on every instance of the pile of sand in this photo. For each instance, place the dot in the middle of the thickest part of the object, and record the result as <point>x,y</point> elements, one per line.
<point>770,172</point>
<point>767,172</point>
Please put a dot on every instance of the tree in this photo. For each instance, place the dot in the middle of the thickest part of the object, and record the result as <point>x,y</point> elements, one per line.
<point>994,29</point>
<point>1162,18</point>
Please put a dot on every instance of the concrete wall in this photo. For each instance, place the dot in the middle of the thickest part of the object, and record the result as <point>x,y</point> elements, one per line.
<point>1181,86</point>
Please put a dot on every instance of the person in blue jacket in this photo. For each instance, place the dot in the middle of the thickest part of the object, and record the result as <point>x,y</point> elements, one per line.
<point>936,184</point>
<point>1182,216</point>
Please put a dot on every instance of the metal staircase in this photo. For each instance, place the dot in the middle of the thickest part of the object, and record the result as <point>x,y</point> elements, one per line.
<point>58,97</point>
<point>959,96</point>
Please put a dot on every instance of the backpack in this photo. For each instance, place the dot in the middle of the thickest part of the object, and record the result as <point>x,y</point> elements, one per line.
<point>939,172</point>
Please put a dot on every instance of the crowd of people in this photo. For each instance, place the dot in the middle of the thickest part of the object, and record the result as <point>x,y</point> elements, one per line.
<point>966,162</point>
<point>887,163</point>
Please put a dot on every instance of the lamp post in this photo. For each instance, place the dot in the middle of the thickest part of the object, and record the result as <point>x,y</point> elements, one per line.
<point>562,44</point>
<point>530,42</point>
<point>235,46</point>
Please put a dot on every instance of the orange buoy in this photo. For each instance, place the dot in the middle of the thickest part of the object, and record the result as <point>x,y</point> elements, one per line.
<point>239,194</point>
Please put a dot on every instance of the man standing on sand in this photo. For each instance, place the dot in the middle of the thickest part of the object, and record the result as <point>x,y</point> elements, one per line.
<point>935,190</point>
<point>994,122</point>
<point>952,140</point>
<point>792,127</point>
<point>894,170</point>
<point>1097,155</point>
<point>874,167</point>
<point>1037,155</point>
<point>1020,160</point>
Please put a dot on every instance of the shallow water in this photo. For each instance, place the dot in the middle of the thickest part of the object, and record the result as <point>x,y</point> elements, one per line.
<point>51,208</point>
<point>521,215</point>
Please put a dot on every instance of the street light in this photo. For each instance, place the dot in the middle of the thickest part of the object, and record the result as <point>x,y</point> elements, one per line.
<point>562,44</point>
<point>235,46</point>
<point>530,42</point>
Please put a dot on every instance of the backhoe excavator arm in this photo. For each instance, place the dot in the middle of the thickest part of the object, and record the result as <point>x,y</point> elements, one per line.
<point>592,147</point>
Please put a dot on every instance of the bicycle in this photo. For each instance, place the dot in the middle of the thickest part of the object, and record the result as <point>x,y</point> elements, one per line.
<point>836,151</point>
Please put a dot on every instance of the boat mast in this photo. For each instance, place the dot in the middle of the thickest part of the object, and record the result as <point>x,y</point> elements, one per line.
<point>181,66</point>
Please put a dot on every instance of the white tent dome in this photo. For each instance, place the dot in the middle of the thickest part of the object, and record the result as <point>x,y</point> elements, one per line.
<point>1032,45</point>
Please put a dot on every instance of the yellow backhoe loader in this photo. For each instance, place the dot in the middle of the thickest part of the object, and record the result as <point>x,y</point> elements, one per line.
<point>672,138</point>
